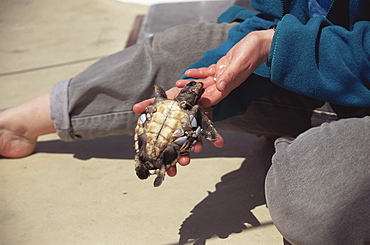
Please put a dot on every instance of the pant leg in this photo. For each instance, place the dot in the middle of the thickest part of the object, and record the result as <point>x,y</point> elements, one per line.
<point>98,102</point>
<point>318,189</point>
<point>287,114</point>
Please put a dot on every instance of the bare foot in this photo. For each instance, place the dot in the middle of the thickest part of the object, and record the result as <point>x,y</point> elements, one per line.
<point>20,126</point>
<point>15,145</point>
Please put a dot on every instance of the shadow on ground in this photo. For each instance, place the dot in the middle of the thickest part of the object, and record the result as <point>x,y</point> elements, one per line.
<point>122,147</point>
<point>224,211</point>
<point>112,147</point>
<point>228,208</point>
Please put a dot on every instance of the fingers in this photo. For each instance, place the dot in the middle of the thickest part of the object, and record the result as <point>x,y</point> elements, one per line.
<point>221,73</point>
<point>139,108</point>
<point>185,160</point>
<point>219,142</point>
<point>172,171</point>
<point>211,96</point>
<point>224,81</point>
<point>219,76</point>
<point>172,92</point>
<point>218,73</point>
<point>225,75</point>
<point>182,83</point>
<point>201,72</point>
<point>208,81</point>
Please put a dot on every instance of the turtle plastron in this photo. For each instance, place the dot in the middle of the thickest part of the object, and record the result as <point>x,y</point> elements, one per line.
<point>168,129</point>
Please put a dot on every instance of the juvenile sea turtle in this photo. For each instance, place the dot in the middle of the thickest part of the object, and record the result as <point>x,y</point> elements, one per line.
<point>168,129</point>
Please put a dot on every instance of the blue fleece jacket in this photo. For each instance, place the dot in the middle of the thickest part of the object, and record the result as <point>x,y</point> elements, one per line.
<point>326,58</point>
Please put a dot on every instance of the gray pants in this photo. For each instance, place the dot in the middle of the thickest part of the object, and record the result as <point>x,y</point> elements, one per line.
<point>317,189</point>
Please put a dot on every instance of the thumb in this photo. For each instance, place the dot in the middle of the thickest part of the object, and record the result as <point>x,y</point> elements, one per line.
<point>225,79</point>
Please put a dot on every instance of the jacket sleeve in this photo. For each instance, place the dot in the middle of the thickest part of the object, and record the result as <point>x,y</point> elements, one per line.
<point>323,61</point>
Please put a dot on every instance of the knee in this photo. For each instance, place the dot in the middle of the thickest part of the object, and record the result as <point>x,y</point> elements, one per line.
<point>317,188</point>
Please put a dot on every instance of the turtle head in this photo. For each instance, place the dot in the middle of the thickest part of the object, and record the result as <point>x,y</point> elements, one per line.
<point>142,171</point>
<point>191,93</point>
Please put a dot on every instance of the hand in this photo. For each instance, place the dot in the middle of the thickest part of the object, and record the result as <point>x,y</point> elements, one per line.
<point>138,108</point>
<point>232,69</point>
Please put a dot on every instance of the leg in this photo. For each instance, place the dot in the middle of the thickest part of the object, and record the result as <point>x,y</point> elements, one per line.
<point>287,113</point>
<point>318,189</point>
<point>98,101</point>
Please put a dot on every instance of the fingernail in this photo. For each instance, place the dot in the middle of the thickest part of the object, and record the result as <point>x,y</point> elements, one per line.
<point>222,86</point>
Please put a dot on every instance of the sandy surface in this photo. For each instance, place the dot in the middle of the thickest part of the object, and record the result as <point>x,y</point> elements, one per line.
<point>87,192</point>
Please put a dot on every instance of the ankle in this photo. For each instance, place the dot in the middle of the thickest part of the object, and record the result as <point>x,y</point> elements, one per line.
<point>31,119</point>
<point>13,121</point>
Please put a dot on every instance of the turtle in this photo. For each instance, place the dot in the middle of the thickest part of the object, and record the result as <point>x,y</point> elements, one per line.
<point>168,129</point>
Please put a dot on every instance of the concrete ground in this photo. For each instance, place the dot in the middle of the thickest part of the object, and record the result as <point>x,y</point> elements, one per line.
<point>87,192</point>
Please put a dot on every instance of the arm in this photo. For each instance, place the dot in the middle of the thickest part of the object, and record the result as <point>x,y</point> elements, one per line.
<point>234,68</point>
<point>323,61</point>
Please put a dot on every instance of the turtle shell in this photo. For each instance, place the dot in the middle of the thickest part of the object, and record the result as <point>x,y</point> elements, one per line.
<point>163,127</point>
<point>166,130</point>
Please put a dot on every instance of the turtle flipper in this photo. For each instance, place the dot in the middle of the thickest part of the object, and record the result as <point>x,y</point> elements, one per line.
<point>168,158</point>
<point>159,92</point>
<point>141,170</point>
<point>209,131</point>
<point>160,177</point>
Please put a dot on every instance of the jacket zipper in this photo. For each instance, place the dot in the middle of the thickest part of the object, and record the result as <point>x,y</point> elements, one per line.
<point>331,6</point>
<point>285,6</point>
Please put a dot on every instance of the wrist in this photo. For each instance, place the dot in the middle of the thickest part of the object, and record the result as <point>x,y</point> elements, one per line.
<point>266,40</point>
